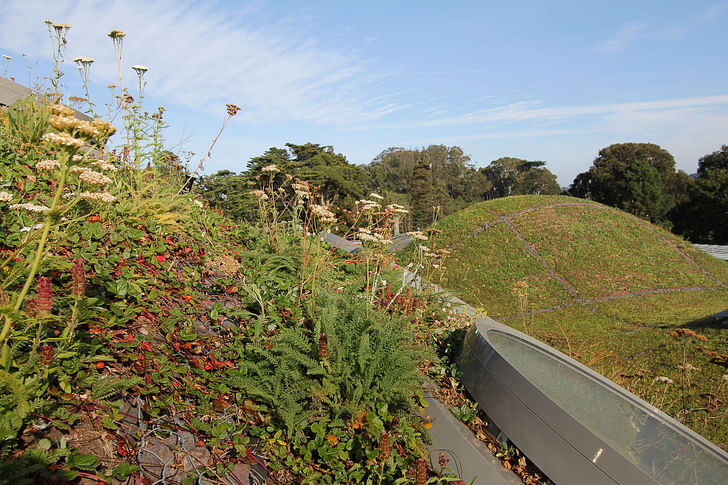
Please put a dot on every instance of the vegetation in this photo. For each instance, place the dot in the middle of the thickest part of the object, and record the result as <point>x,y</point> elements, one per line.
<point>434,181</point>
<point>701,218</point>
<point>144,336</point>
<point>622,296</point>
<point>146,333</point>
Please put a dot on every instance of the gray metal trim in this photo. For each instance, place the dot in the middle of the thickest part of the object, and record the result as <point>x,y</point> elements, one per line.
<point>469,457</point>
<point>564,449</point>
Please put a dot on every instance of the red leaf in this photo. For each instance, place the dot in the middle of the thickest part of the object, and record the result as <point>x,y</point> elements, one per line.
<point>121,448</point>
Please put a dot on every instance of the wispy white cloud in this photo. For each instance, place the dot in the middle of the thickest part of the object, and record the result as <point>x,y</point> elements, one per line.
<point>695,21</point>
<point>535,111</point>
<point>623,38</point>
<point>203,55</point>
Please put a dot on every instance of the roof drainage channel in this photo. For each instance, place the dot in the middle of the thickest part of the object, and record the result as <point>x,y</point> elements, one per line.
<point>468,457</point>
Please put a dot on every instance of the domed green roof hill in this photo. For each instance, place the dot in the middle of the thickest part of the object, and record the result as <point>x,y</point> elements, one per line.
<point>615,292</point>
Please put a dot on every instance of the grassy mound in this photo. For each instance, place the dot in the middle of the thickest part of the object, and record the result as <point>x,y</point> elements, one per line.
<point>627,298</point>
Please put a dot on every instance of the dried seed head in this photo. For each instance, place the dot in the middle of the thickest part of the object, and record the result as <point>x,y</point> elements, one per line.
<point>385,447</point>
<point>421,472</point>
<point>104,127</point>
<point>116,34</point>
<point>232,109</point>
<point>60,110</point>
<point>323,346</point>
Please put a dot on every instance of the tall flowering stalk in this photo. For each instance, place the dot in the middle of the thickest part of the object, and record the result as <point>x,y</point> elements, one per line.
<point>83,64</point>
<point>57,33</point>
<point>7,62</point>
<point>117,37</point>
<point>374,237</point>
<point>231,110</point>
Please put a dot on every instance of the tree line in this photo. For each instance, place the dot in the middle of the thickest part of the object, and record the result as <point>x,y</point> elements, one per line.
<point>434,181</point>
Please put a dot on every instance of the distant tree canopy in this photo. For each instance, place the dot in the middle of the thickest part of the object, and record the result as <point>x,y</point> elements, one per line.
<point>514,176</point>
<point>639,178</point>
<point>432,181</point>
<point>338,181</point>
<point>703,216</point>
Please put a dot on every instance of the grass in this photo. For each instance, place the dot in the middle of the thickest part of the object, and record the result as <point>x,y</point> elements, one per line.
<point>624,297</point>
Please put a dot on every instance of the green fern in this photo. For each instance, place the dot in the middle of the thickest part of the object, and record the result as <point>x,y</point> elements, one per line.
<point>102,389</point>
<point>371,361</point>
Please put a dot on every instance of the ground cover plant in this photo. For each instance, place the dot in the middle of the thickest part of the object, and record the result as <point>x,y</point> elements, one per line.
<point>146,338</point>
<point>622,296</point>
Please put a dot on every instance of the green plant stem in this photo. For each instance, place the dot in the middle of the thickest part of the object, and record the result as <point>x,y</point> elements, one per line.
<point>72,323</point>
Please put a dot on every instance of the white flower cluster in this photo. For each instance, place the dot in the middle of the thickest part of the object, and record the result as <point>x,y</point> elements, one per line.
<point>399,209</point>
<point>376,196</point>
<point>94,178</point>
<point>370,236</point>
<point>98,196</point>
<point>5,196</point>
<point>368,204</point>
<point>60,110</point>
<point>323,213</point>
<point>47,165</point>
<point>270,168</point>
<point>31,228</point>
<point>259,194</point>
<point>197,203</point>
<point>63,139</point>
<point>417,235</point>
<point>30,207</point>
<point>104,165</point>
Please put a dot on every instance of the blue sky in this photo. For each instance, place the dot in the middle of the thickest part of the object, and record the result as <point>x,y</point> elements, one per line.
<point>553,81</point>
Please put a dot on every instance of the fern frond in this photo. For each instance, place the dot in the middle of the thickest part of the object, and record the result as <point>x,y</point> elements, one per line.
<point>18,392</point>
<point>105,387</point>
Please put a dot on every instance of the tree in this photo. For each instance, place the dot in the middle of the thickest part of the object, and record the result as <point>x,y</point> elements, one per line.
<point>228,192</point>
<point>421,210</point>
<point>338,181</point>
<point>643,191</point>
<point>715,161</point>
<point>702,217</point>
<point>453,182</point>
<point>636,177</point>
<point>515,176</point>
